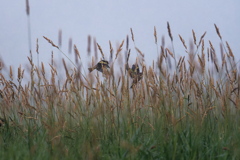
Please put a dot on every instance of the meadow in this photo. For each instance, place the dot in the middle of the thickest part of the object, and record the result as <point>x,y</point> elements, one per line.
<point>179,108</point>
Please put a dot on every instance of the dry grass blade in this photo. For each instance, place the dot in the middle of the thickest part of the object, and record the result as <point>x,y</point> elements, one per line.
<point>232,101</point>
<point>169,31</point>
<point>129,52</point>
<point>217,30</point>
<point>70,45</point>
<point>27,7</point>
<point>183,41</point>
<point>19,72</point>
<point>205,113</point>
<point>89,45</point>
<point>100,49</point>
<point>179,120</point>
<point>194,37</point>
<point>52,58</point>
<point>65,67</point>
<point>179,61</point>
<point>200,61</point>
<point>127,43</point>
<point>203,54</point>
<point>208,53</point>
<point>132,34</point>
<point>230,50</point>
<point>170,53</point>
<point>60,37</point>
<point>11,74</point>
<point>162,52</point>
<point>55,71</point>
<point>111,49</point>
<point>51,42</point>
<point>223,60</point>
<point>95,48</point>
<point>139,52</point>
<point>201,39</point>
<point>211,46</point>
<point>43,69</point>
<point>37,47</point>
<point>155,34</point>
<point>119,49</point>
<point>30,61</point>
<point>190,115</point>
<point>151,126</point>
<point>76,51</point>
<point>55,138</point>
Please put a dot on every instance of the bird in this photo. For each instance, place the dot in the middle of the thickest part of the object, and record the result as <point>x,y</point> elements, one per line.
<point>100,66</point>
<point>137,78</point>
<point>133,71</point>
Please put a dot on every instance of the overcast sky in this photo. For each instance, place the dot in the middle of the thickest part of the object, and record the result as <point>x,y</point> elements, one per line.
<point>111,20</point>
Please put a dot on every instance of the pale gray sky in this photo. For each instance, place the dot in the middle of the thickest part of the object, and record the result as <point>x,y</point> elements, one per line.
<point>111,20</point>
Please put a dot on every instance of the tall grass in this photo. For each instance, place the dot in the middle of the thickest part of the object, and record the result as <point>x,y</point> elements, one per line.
<point>190,111</point>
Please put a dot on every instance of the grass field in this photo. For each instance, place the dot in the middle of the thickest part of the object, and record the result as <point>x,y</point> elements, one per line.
<point>185,108</point>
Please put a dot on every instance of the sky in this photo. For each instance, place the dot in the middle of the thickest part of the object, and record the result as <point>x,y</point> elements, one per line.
<point>111,20</point>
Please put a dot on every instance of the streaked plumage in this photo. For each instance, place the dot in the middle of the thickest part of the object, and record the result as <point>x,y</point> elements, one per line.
<point>133,71</point>
<point>134,74</point>
<point>137,78</point>
<point>100,66</point>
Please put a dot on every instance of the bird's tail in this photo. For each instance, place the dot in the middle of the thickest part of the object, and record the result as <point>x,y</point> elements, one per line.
<point>90,69</point>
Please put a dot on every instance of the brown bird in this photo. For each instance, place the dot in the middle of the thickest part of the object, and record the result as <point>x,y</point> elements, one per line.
<point>100,66</point>
<point>136,78</point>
<point>133,71</point>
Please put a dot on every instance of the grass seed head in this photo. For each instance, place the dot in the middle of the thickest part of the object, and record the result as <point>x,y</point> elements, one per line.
<point>155,34</point>
<point>100,49</point>
<point>169,31</point>
<point>217,30</point>
<point>27,7</point>
<point>51,42</point>
<point>132,34</point>
<point>194,37</point>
